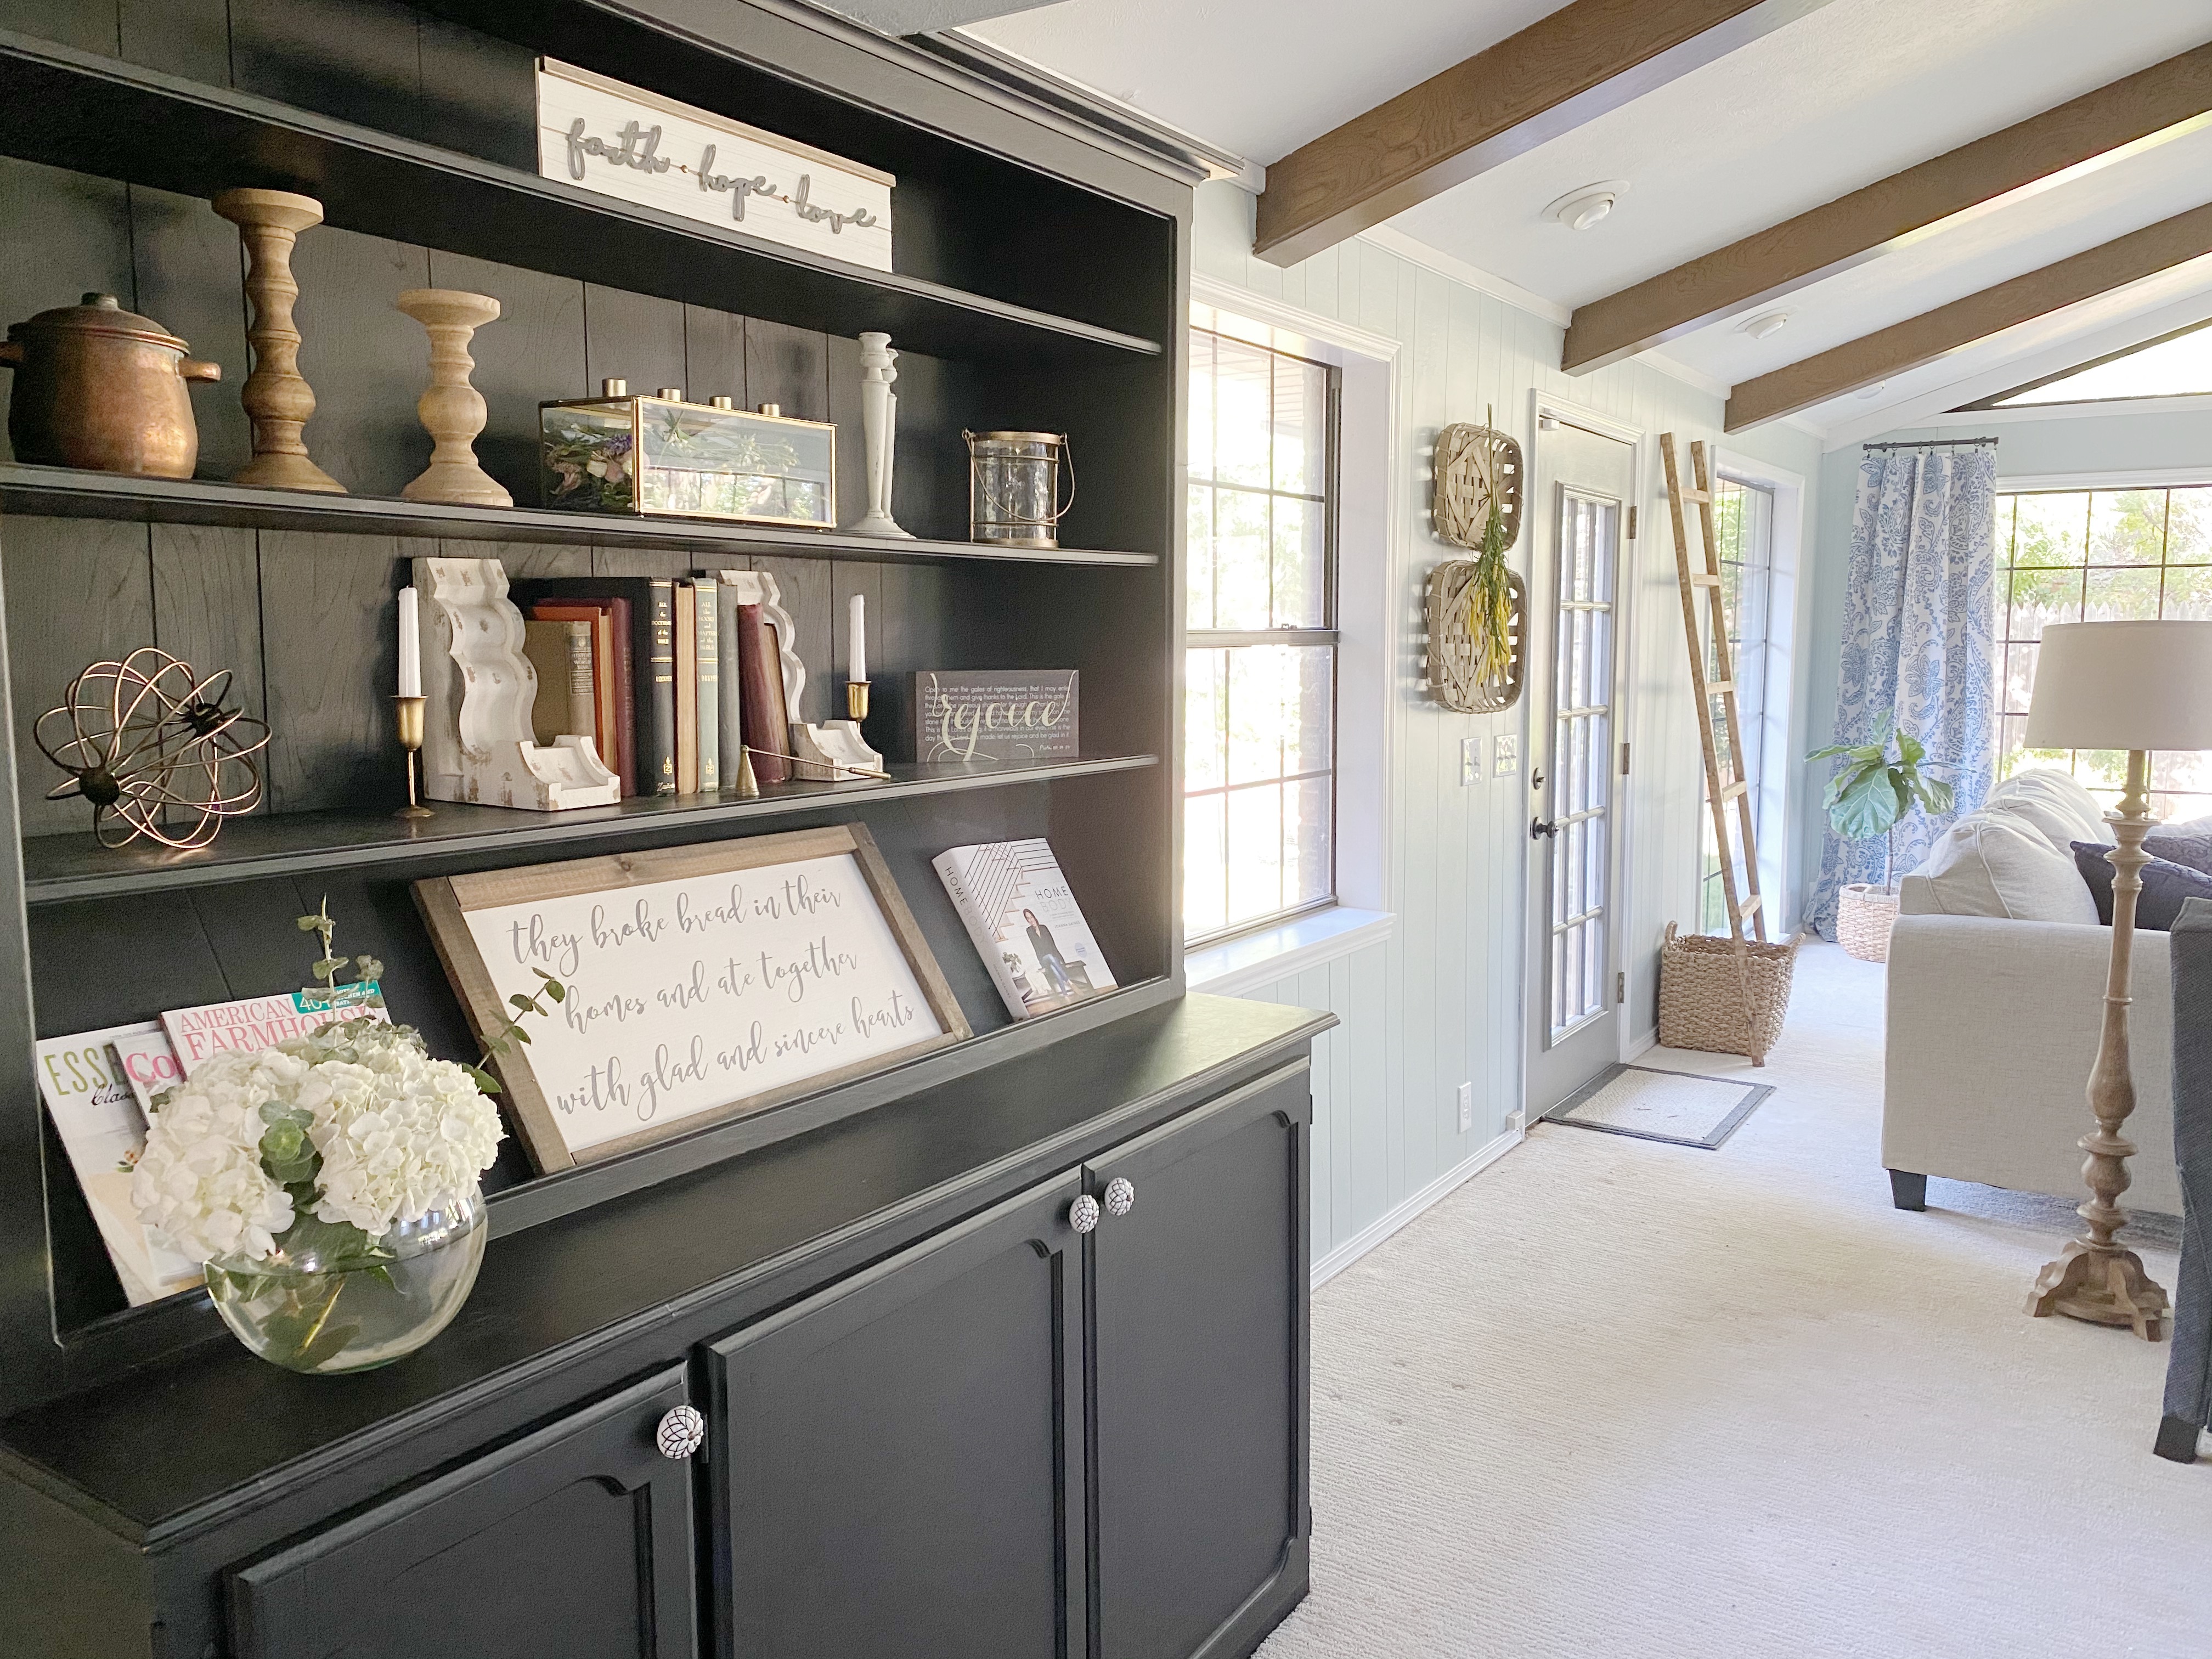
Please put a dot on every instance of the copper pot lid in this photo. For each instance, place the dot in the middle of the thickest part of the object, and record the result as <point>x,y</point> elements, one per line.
<point>100,314</point>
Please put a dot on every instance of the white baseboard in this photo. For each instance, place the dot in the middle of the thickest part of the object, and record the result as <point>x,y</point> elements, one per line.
<point>1390,1221</point>
<point>1641,1044</point>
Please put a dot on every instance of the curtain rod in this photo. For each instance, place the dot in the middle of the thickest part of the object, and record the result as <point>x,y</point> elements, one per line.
<point>1929,443</point>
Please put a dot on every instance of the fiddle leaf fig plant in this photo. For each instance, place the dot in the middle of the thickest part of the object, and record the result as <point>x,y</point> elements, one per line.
<point>1877,787</point>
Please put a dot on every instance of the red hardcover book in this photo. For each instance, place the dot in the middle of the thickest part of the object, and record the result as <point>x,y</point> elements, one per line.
<point>762,703</point>
<point>610,656</point>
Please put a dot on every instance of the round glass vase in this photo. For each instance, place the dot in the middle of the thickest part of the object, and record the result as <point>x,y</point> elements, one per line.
<point>295,1311</point>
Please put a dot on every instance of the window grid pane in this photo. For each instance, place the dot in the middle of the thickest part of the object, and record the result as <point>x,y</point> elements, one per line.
<point>2100,555</point>
<point>1260,719</point>
<point>1743,530</point>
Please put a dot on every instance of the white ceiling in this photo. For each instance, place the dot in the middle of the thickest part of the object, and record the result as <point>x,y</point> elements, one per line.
<point>1851,92</point>
<point>1258,77</point>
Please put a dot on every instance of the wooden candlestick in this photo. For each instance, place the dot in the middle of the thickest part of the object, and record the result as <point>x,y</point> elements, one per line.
<point>278,400</point>
<point>453,410</point>
<point>2095,1278</point>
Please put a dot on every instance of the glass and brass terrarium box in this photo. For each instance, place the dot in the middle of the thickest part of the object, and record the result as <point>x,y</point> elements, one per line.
<point>618,453</point>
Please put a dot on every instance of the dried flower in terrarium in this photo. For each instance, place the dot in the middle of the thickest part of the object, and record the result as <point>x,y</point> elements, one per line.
<point>153,749</point>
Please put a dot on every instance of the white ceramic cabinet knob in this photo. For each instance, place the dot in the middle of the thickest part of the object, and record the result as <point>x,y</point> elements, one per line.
<point>1120,1196</point>
<point>681,1433</point>
<point>1083,1215</point>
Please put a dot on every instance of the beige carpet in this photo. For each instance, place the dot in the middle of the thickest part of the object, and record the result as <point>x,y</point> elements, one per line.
<point>1615,1397</point>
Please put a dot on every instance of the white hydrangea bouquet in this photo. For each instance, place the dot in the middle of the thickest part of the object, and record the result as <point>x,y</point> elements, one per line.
<point>339,1166</point>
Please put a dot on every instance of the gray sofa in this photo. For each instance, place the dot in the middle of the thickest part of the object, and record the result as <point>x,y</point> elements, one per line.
<point>2189,1367</point>
<point>1997,987</point>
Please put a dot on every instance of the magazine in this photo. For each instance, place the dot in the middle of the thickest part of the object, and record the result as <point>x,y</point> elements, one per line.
<point>258,1023</point>
<point>1025,924</point>
<point>103,1128</point>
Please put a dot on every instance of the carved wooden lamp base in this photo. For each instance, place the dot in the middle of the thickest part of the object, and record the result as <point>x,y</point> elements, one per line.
<point>2104,1287</point>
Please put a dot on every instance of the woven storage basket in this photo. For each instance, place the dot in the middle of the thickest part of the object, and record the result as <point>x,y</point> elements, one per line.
<point>1864,916</point>
<point>1701,995</point>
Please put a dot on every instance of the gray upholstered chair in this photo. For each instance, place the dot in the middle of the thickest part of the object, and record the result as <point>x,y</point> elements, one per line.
<point>2189,1367</point>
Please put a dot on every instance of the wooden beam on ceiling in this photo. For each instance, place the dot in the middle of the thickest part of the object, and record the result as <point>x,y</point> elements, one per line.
<point>2155,107</point>
<point>1876,357</point>
<point>1562,71</point>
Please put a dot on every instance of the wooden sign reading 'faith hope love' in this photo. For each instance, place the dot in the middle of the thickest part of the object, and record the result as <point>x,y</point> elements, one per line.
<point>701,982</point>
<point>625,141</point>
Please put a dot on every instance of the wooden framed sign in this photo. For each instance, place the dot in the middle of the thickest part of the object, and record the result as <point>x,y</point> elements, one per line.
<point>625,142</point>
<point>703,982</point>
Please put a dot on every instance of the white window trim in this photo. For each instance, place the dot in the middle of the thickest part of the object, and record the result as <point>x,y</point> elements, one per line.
<point>2140,477</point>
<point>1367,538</point>
<point>1251,962</point>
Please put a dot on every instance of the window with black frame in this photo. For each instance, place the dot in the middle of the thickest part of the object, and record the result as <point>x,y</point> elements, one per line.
<point>1259,748</point>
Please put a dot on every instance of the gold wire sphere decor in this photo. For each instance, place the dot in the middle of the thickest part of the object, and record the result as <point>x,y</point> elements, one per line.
<point>154,748</point>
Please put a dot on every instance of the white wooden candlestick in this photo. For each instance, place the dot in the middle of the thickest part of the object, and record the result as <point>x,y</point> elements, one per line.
<point>452,409</point>
<point>478,744</point>
<point>878,429</point>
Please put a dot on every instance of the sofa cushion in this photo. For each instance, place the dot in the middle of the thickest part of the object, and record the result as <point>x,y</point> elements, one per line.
<point>2167,886</point>
<point>1997,862</point>
<point>2056,805</point>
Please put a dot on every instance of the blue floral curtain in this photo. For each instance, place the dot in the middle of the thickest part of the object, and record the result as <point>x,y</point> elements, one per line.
<point>1919,638</point>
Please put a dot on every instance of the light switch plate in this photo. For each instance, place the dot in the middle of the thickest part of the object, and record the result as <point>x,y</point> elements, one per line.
<point>1465,1107</point>
<point>1470,761</point>
<point>1505,756</point>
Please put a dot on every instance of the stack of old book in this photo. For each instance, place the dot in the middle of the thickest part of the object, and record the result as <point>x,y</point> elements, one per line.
<point>678,683</point>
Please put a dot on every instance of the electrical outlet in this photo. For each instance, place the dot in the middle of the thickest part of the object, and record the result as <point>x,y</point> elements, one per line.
<point>1465,1107</point>
<point>1470,761</point>
<point>1505,756</point>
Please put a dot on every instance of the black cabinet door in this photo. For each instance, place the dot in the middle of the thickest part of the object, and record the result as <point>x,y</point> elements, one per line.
<point>896,1463</point>
<point>1199,1299</point>
<point>573,1542</point>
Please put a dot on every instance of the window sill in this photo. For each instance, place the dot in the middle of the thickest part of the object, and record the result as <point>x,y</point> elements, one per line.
<point>1239,965</point>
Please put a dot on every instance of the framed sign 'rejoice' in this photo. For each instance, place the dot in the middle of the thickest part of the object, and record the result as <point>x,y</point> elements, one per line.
<point>701,982</point>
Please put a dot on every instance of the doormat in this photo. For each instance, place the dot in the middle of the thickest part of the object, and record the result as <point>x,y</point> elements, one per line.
<point>1675,1107</point>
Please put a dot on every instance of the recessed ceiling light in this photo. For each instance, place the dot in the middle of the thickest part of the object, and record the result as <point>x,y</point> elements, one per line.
<point>1766,323</point>
<point>1874,391</point>
<point>1578,209</point>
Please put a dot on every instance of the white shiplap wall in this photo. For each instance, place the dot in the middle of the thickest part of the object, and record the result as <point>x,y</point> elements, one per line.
<point>1439,1002</point>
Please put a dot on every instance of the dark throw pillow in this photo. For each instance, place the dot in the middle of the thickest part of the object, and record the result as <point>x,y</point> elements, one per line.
<point>2167,886</point>
<point>2189,843</point>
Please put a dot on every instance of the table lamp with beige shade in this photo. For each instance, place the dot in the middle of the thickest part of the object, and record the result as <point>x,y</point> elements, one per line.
<point>2141,686</point>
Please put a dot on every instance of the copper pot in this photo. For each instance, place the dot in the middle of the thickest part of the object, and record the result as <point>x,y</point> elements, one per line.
<point>100,387</point>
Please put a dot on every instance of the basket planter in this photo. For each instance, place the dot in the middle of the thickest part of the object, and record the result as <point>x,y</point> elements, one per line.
<point>1701,994</point>
<point>1864,916</point>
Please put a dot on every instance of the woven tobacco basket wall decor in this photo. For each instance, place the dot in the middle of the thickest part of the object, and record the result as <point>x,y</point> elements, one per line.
<point>1453,679</point>
<point>1475,466</point>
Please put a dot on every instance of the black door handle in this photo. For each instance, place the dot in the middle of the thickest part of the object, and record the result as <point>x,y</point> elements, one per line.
<point>1542,826</point>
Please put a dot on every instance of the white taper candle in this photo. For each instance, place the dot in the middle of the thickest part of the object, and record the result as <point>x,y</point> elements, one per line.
<point>410,643</point>
<point>856,655</point>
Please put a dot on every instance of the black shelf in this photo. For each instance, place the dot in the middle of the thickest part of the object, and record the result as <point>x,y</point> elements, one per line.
<point>94,114</point>
<point>63,868</point>
<point>64,492</point>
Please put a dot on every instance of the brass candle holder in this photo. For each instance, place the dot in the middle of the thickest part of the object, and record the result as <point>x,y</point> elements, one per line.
<point>408,715</point>
<point>856,699</point>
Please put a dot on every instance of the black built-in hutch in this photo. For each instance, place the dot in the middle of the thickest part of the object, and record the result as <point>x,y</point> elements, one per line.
<point>940,1421</point>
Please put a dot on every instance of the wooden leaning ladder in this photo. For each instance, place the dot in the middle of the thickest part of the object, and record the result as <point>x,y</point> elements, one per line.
<point>1745,902</point>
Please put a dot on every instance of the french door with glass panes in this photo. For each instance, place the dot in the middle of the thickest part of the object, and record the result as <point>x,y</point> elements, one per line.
<point>1583,483</point>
